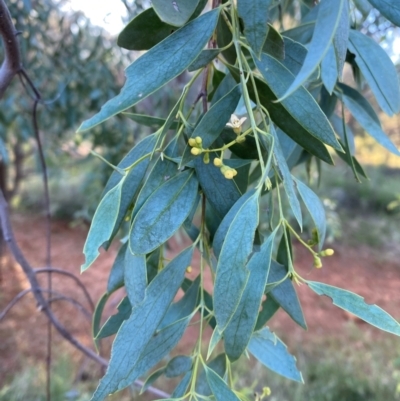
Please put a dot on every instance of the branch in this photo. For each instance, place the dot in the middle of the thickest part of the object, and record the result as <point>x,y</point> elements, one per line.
<point>12,60</point>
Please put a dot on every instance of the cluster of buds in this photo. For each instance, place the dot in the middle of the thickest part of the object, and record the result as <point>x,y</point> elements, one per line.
<point>227,171</point>
<point>317,257</point>
<point>196,144</point>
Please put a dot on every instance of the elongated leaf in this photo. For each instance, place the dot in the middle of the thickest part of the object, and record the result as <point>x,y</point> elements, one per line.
<point>102,225</point>
<point>144,31</point>
<point>220,192</point>
<point>285,121</point>
<point>97,316</point>
<point>366,116</point>
<point>288,183</point>
<point>329,72</point>
<point>269,308</point>
<point>114,322</point>
<point>219,388</point>
<point>181,388</point>
<point>341,39</point>
<point>274,44</point>
<point>363,6</point>
<point>378,70</point>
<point>151,379</point>
<point>176,12</point>
<point>204,58</point>
<point>273,354</point>
<point>141,326</point>
<point>163,213</point>
<point>232,274</point>
<point>301,105</point>
<point>158,66</point>
<point>337,124</point>
<point>239,330</point>
<point>149,121</point>
<point>301,33</point>
<point>135,277</point>
<point>328,18</point>
<point>315,208</point>
<point>218,365</point>
<point>355,304</point>
<point>178,366</point>
<point>223,228</point>
<point>214,121</point>
<point>254,13</point>
<point>389,8</point>
<point>116,277</point>
<point>284,294</point>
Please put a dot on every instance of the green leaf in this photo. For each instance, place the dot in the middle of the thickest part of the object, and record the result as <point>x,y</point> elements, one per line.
<point>163,213</point>
<point>284,294</point>
<point>329,72</point>
<point>363,6</point>
<point>178,366</point>
<point>141,326</point>
<point>223,228</point>
<point>149,121</point>
<point>175,13</point>
<point>274,44</point>
<point>135,277</point>
<point>204,58</point>
<point>328,18</point>
<point>213,122</point>
<point>158,66</point>
<point>151,379</point>
<point>341,39</point>
<point>355,304</point>
<point>286,177</point>
<point>315,208</point>
<point>239,330</point>
<point>366,116</point>
<point>232,274</point>
<point>220,192</point>
<point>181,388</point>
<point>273,354</point>
<point>219,388</point>
<point>97,316</point>
<point>301,33</point>
<point>285,121</point>
<point>300,105</point>
<point>389,8</point>
<point>102,225</point>
<point>116,277</point>
<point>378,70</point>
<point>218,365</point>
<point>144,31</point>
<point>114,322</point>
<point>269,308</point>
<point>254,13</point>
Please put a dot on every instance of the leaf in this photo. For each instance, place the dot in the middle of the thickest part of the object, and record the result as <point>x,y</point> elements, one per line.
<point>329,72</point>
<point>219,388</point>
<point>378,70</point>
<point>220,192</point>
<point>223,228</point>
<point>285,121</point>
<point>328,18</point>
<point>151,379</point>
<point>102,225</point>
<point>366,116</point>
<point>300,105</point>
<point>341,39</point>
<point>158,66</point>
<point>116,277</point>
<point>204,58</point>
<point>114,322</point>
<point>141,326</point>
<point>178,365</point>
<point>218,365</point>
<point>135,277</point>
<point>144,31</point>
<point>97,317</point>
<point>232,274</point>
<point>301,33</point>
<point>274,44</point>
<point>269,308</point>
<point>254,13</point>
<point>315,208</point>
<point>389,9</point>
<point>176,12</point>
<point>363,6</point>
<point>273,354</point>
<point>214,121</point>
<point>355,304</point>
<point>288,183</point>
<point>239,330</point>
<point>284,294</point>
<point>163,213</point>
<point>149,121</point>
<point>181,388</point>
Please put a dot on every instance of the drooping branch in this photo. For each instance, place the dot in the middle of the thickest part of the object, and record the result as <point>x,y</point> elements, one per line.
<point>12,59</point>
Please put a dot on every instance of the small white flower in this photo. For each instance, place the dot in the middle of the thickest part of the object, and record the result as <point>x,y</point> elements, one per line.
<point>236,123</point>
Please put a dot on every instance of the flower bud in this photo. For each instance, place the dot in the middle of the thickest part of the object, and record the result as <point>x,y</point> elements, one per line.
<point>189,269</point>
<point>317,262</point>
<point>206,158</point>
<point>198,140</point>
<point>217,162</point>
<point>195,151</point>
<point>327,252</point>
<point>229,174</point>
<point>192,142</point>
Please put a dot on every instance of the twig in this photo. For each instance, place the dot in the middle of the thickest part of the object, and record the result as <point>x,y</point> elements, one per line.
<point>13,302</point>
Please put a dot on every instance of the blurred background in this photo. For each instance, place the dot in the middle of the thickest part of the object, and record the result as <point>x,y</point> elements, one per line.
<point>69,49</point>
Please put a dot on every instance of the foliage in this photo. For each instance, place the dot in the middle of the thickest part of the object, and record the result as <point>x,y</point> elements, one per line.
<point>273,100</point>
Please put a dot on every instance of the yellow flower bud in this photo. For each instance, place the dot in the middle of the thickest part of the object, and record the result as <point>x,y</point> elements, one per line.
<point>206,158</point>
<point>229,174</point>
<point>234,172</point>
<point>198,140</point>
<point>192,142</point>
<point>195,151</point>
<point>266,391</point>
<point>189,269</point>
<point>327,252</point>
<point>217,162</point>
<point>317,262</point>
<point>224,169</point>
